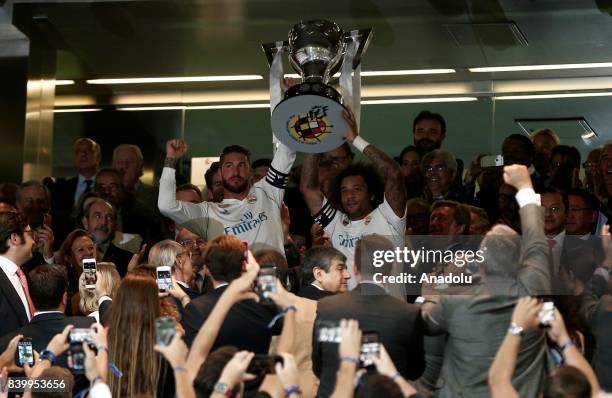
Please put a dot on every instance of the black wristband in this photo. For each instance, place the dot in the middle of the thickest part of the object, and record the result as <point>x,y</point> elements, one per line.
<point>170,162</point>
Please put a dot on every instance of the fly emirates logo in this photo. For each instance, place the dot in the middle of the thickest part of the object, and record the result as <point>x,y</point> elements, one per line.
<point>248,222</point>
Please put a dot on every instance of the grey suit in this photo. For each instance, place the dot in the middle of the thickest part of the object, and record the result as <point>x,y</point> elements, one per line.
<point>596,309</point>
<point>476,324</point>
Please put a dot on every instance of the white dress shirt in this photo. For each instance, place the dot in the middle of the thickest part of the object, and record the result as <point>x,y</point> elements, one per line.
<point>10,269</point>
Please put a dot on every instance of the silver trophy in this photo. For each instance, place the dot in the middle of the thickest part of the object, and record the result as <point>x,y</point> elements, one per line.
<point>309,117</point>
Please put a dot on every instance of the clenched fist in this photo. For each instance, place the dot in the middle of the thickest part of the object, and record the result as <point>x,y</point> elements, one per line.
<point>517,175</point>
<point>176,148</point>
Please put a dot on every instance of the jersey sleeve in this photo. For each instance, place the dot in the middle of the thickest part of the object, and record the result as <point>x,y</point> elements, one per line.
<point>398,224</point>
<point>327,216</point>
<point>276,180</point>
<point>178,211</point>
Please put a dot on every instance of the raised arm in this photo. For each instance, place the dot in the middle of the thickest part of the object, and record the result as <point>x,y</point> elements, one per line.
<point>309,183</point>
<point>178,211</point>
<point>524,317</point>
<point>534,275</point>
<point>395,189</point>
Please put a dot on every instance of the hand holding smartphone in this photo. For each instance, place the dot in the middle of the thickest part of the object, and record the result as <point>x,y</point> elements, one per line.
<point>266,282</point>
<point>25,352</point>
<point>164,278</point>
<point>89,270</point>
<point>165,329</point>
<point>76,354</point>
<point>370,347</point>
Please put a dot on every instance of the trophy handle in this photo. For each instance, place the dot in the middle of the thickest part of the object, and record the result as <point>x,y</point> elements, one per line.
<point>270,49</point>
<point>364,35</point>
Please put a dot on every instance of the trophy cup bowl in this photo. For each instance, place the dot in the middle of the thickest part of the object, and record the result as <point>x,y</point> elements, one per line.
<point>309,118</point>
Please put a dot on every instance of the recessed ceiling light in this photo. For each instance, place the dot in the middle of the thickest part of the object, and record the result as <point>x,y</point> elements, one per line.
<point>178,79</point>
<point>418,100</point>
<point>64,82</point>
<point>76,110</point>
<point>558,95</point>
<point>519,68</point>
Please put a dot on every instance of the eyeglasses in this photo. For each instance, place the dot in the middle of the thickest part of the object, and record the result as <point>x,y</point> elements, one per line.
<point>437,169</point>
<point>588,164</point>
<point>553,208</point>
<point>192,243</point>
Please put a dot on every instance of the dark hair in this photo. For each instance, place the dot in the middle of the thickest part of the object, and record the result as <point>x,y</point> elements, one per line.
<point>11,222</point>
<point>560,192</point>
<point>211,369</point>
<point>100,200</point>
<point>529,148</point>
<point>190,187</point>
<point>409,148</point>
<point>372,179</point>
<point>262,162</point>
<point>224,258</point>
<point>47,285</point>
<point>320,257</point>
<point>461,214</point>
<point>580,258</point>
<point>235,149</point>
<point>427,115</point>
<point>214,167</point>
<point>110,170</point>
<point>570,152</point>
<point>377,385</point>
<point>590,199</point>
<point>566,381</point>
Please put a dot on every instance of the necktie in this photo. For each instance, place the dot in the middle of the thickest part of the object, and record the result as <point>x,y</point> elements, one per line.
<point>24,284</point>
<point>88,185</point>
<point>551,261</point>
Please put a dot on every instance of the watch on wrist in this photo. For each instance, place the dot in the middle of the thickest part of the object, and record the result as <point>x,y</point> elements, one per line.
<point>516,330</point>
<point>47,355</point>
<point>223,388</point>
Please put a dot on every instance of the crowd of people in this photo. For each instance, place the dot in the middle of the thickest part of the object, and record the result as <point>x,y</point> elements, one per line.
<point>532,318</point>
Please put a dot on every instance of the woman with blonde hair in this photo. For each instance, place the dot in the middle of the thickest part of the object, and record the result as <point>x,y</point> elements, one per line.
<point>88,300</point>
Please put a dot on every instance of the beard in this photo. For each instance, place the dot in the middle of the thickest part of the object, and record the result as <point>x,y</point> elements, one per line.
<point>236,188</point>
<point>425,145</point>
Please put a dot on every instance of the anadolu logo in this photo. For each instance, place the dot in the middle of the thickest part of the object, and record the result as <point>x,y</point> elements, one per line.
<point>310,127</point>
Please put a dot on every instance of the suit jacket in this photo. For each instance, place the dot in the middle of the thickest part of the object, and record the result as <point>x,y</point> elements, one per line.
<point>245,326</point>
<point>43,327</point>
<point>119,257</point>
<point>596,310</point>
<point>398,324</point>
<point>477,323</point>
<point>311,292</point>
<point>62,194</point>
<point>12,312</point>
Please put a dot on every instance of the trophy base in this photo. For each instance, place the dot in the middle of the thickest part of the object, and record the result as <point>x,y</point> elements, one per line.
<point>309,119</point>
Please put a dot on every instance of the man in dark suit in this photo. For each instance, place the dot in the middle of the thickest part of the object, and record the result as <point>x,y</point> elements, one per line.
<point>397,323</point>
<point>128,159</point>
<point>324,273</point>
<point>246,324</point>
<point>16,245</point>
<point>99,220</point>
<point>48,285</point>
<point>66,193</point>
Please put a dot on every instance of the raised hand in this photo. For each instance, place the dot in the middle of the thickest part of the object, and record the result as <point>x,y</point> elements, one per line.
<point>352,131</point>
<point>525,312</point>
<point>517,176</point>
<point>176,148</point>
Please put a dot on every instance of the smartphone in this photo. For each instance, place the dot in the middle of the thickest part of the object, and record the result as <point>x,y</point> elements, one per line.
<point>25,352</point>
<point>328,332</point>
<point>263,364</point>
<point>546,314</point>
<point>370,347</point>
<point>165,329</point>
<point>266,282</point>
<point>89,269</point>
<point>164,278</point>
<point>492,161</point>
<point>76,354</point>
<point>246,250</point>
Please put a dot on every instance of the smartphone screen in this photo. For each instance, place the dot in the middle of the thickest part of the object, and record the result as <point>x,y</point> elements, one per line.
<point>492,161</point>
<point>165,329</point>
<point>266,282</point>
<point>164,278</point>
<point>77,337</point>
<point>547,314</point>
<point>25,352</point>
<point>328,332</point>
<point>89,271</point>
<point>370,347</point>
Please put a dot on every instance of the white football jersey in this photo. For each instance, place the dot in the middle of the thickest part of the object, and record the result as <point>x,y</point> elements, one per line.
<point>345,233</point>
<point>255,219</point>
